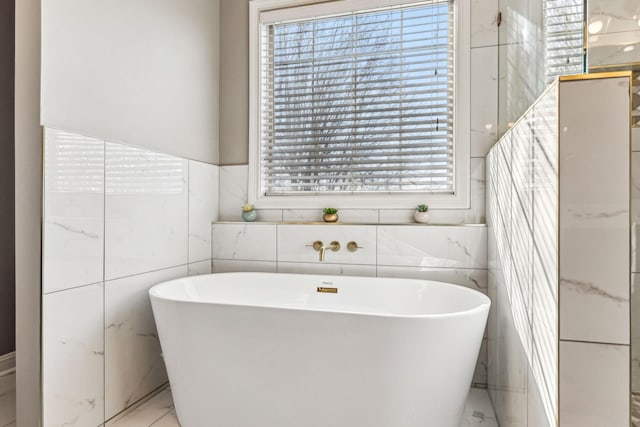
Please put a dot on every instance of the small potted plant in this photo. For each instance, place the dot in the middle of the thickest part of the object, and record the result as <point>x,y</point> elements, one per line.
<point>248,213</point>
<point>421,214</point>
<point>330,214</point>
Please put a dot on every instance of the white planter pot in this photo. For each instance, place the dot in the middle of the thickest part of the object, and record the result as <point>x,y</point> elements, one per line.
<point>422,217</point>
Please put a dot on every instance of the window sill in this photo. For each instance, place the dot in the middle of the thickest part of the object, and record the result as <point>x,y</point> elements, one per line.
<point>346,223</point>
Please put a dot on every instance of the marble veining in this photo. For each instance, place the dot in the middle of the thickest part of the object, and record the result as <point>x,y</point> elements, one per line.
<point>241,241</point>
<point>203,208</point>
<point>73,210</point>
<point>146,211</point>
<point>72,229</point>
<point>133,363</point>
<point>73,369</point>
<point>449,247</point>
<point>597,215</point>
<point>589,288</point>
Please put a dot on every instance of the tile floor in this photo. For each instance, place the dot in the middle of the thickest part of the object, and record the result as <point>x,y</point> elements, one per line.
<point>8,400</point>
<point>158,410</point>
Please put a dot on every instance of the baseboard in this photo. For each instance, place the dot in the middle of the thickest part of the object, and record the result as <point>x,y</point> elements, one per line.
<point>7,363</point>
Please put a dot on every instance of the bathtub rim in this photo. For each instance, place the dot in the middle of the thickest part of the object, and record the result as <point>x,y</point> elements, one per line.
<point>484,300</point>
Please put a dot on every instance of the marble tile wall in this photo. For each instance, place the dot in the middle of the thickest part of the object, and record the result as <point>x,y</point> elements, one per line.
<point>522,334</point>
<point>559,260</point>
<point>594,251</point>
<point>613,32</point>
<point>454,253</point>
<point>117,220</point>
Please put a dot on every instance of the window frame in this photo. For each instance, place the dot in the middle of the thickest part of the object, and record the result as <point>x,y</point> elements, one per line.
<point>298,9</point>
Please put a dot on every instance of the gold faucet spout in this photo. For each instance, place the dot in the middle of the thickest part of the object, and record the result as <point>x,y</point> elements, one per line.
<point>333,246</point>
<point>322,249</point>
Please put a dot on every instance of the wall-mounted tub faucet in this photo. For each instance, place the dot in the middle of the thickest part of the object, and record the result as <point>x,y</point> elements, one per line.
<point>320,247</point>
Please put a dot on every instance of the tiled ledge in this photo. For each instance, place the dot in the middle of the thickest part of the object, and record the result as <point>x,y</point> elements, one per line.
<point>348,223</point>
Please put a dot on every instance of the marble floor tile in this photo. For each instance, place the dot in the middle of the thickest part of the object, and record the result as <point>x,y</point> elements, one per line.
<point>169,420</point>
<point>158,412</point>
<point>8,400</point>
<point>479,411</point>
<point>147,413</point>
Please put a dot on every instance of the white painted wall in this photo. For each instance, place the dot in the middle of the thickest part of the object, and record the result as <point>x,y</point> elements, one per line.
<point>144,72</point>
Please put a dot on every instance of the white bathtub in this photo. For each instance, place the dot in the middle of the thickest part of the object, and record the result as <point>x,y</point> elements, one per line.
<point>270,350</point>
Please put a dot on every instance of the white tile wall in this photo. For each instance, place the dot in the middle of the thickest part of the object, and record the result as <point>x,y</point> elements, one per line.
<point>230,266</point>
<point>594,211</point>
<point>484,23</point>
<point>635,211</point>
<point>200,267</point>
<point>484,99</point>
<point>203,208</point>
<point>591,255</point>
<point>244,242</point>
<point>326,268</point>
<point>516,26</point>
<point>133,361</point>
<point>233,191</point>
<point>152,224</point>
<point>475,279</point>
<point>522,336</point>
<point>295,243</point>
<point>440,246</point>
<point>73,357</point>
<point>74,210</point>
<point>595,399</point>
<point>146,211</point>
<point>619,40</point>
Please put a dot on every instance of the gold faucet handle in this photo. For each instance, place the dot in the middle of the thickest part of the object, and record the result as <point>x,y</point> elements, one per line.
<point>353,246</point>
<point>317,245</point>
<point>334,246</point>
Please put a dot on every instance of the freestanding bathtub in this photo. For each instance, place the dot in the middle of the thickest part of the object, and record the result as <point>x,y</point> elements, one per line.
<point>291,350</point>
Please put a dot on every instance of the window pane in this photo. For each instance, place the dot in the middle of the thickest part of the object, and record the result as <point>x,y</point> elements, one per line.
<point>359,102</point>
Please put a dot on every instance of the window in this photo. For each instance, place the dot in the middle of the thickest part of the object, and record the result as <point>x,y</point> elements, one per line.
<point>564,38</point>
<point>354,99</point>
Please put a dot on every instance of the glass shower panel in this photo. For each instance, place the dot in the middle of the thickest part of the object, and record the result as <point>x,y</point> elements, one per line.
<point>613,33</point>
<point>538,40</point>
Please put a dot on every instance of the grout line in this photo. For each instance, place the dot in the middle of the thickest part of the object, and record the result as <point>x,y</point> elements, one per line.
<point>104,287</point>
<point>188,210</point>
<point>57,291</point>
<point>105,282</point>
<point>164,415</point>
<point>594,342</point>
<point>140,403</point>
<point>147,272</point>
<point>358,264</point>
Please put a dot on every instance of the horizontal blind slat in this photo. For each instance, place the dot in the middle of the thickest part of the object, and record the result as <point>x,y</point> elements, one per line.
<point>367,98</point>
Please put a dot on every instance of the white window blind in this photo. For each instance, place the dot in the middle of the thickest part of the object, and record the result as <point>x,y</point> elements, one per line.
<point>359,102</point>
<point>564,38</point>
